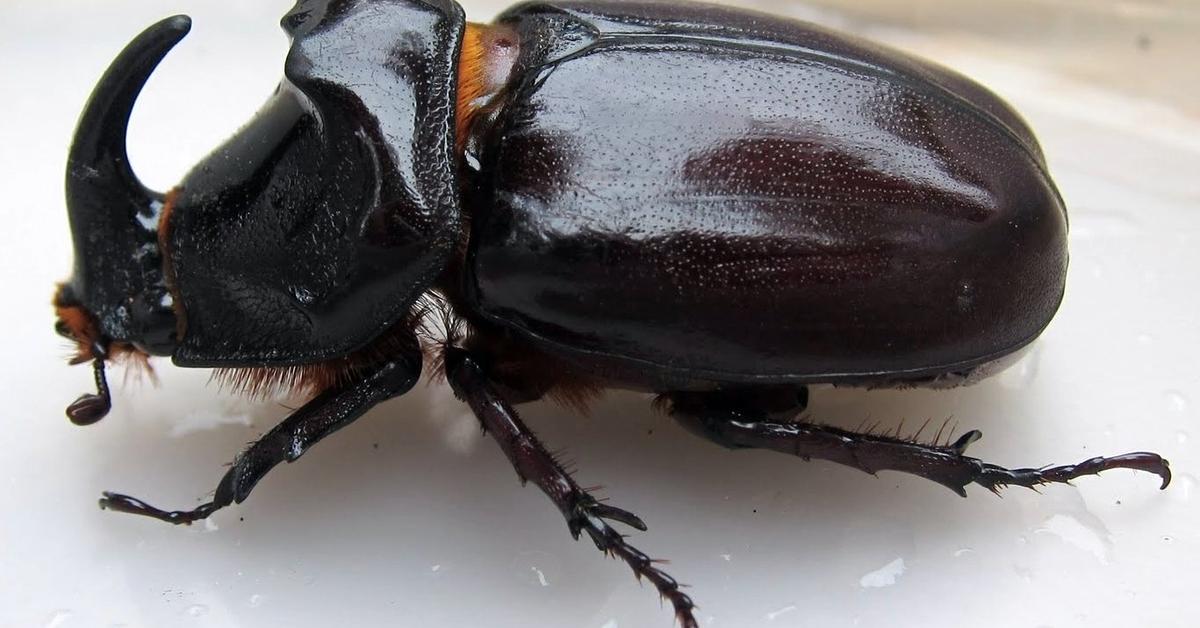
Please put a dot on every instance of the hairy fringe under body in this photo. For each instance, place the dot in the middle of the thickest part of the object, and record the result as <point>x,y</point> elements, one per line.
<point>309,380</point>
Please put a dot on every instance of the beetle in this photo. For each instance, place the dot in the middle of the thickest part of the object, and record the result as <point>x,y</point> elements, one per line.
<point>717,206</point>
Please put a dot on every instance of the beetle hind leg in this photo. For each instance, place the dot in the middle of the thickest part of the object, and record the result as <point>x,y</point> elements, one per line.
<point>738,425</point>
<point>583,512</point>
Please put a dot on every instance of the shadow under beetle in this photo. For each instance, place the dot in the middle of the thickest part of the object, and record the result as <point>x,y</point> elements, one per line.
<point>711,204</point>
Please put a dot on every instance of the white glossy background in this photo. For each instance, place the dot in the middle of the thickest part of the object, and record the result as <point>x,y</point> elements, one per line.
<point>410,518</point>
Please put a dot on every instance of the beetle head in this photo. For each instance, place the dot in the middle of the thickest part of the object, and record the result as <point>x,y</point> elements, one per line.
<point>116,301</point>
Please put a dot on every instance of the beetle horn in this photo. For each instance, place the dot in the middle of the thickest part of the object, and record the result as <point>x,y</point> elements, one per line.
<point>118,273</point>
<point>100,182</point>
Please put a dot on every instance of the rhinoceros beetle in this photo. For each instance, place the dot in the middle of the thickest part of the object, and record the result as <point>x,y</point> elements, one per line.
<point>714,205</point>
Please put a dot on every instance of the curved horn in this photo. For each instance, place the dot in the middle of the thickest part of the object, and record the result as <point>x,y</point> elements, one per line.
<point>113,216</point>
<point>98,163</point>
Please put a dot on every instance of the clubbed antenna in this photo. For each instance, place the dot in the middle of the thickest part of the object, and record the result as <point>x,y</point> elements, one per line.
<point>91,407</point>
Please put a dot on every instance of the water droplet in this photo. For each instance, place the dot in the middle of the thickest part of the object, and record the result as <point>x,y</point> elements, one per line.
<point>536,567</point>
<point>727,557</point>
<point>210,525</point>
<point>885,576</point>
<point>256,600</point>
<point>1182,437</point>
<point>612,623</point>
<point>207,420</point>
<point>58,619</point>
<point>966,551</point>
<point>196,610</point>
<point>1145,339</point>
<point>435,568</point>
<point>783,611</point>
<point>1176,402</point>
<point>1075,533</point>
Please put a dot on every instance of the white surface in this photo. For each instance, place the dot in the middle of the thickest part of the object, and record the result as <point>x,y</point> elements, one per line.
<point>410,518</point>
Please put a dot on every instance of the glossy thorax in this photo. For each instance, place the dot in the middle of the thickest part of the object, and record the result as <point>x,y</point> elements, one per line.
<point>662,196</point>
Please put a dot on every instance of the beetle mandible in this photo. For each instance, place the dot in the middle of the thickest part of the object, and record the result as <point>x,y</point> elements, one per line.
<point>714,205</point>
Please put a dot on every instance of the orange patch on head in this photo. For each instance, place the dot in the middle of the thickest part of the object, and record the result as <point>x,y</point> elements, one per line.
<point>81,328</point>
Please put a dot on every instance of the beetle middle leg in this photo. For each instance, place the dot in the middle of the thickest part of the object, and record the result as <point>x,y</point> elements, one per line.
<point>323,415</point>
<point>583,512</point>
<point>735,421</point>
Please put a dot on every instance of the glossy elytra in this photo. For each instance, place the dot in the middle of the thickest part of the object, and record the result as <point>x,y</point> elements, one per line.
<point>718,206</point>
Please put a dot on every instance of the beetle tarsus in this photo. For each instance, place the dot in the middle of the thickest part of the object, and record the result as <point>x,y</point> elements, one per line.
<point>131,505</point>
<point>993,477</point>
<point>583,512</point>
<point>944,464</point>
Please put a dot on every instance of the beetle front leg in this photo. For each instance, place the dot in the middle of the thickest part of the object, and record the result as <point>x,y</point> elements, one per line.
<point>323,415</point>
<point>945,464</point>
<point>583,512</point>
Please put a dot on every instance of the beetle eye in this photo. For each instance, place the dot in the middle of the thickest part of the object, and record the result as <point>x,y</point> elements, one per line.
<point>61,328</point>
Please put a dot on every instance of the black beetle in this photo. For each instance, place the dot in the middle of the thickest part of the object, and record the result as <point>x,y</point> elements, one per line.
<point>714,205</point>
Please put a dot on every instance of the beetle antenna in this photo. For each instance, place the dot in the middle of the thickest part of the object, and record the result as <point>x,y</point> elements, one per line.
<point>91,407</point>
